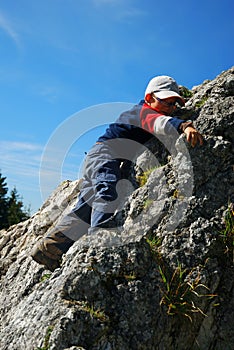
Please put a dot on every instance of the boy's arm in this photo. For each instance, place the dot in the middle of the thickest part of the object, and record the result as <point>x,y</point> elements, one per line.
<point>164,125</point>
<point>187,127</point>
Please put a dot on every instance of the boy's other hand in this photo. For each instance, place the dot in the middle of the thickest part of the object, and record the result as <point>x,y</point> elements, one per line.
<point>193,136</point>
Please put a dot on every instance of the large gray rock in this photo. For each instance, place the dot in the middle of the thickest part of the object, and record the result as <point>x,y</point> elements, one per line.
<point>109,293</point>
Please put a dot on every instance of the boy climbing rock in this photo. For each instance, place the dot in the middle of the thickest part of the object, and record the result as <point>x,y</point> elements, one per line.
<point>98,197</point>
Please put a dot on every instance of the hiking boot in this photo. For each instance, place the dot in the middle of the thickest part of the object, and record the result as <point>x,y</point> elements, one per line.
<point>49,251</point>
<point>41,258</point>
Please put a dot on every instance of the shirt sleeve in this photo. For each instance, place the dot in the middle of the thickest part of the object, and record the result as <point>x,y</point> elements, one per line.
<point>172,124</point>
<point>160,124</point>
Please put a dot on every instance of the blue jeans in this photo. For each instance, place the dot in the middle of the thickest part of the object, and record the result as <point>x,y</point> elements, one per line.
<point>98,197</point>
<point>102,172</point>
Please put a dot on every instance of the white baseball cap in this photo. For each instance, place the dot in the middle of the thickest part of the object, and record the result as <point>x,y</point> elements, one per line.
<point>164,86</point>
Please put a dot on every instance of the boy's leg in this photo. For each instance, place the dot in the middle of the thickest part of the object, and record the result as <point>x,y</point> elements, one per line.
<point>71,227</point>
<point>107,199</point>
<point>96,205</point>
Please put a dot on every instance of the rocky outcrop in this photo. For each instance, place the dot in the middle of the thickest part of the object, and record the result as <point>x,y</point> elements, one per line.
<point>163,282</point>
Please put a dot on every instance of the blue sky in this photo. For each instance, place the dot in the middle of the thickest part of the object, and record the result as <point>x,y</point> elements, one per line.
<point>61,57</point>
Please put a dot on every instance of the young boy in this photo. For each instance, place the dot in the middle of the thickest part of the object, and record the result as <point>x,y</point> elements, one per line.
<point>98,197</point>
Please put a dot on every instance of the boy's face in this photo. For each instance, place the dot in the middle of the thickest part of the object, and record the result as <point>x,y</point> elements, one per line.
<point>165,106</point>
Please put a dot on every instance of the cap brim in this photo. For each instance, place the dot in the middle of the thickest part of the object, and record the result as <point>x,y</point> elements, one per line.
<point>167,94</point>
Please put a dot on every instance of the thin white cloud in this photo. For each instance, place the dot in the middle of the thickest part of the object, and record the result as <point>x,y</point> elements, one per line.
<point>20,158</point>
<point>8,28</point>
<point>20,163</point>
<point>131,13</point>
<point>19,146</point>
<point>123,10</point>
<point>106,2</point>
<point>50,93</point>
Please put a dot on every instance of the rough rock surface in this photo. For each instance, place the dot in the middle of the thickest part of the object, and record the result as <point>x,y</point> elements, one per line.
<point>110,293</point>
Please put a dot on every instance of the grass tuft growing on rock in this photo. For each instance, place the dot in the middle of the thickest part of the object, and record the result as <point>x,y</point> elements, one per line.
<point>181,291</point>
<point>142,179</point>
<point>45,277</point>
<point>94,313</point>
<point>202,101</point>
<point>181,288</point>
<point>46,345</point>
<point>228,232</point>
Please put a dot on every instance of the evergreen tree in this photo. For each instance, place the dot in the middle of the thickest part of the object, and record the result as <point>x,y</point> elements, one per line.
<point>11,208</point>
<point>3,202</point>
<point>15,212</point>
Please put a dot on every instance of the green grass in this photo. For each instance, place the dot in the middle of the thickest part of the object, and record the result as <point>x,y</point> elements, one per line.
<point>148,203</point>
<point>94,313</point>
<point>228,232</point>
<point>177,194</point>
<point>142,179</point>
<point>185,92</point>
<point>202,101</point>
<point>181,292</point>
<point>85,306</point>
<point>229,224</point>
<point>130,277</point>
<point>46,345</point>
<point>181,288</point>
<point>45,277</point>
<point>154,242</point>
